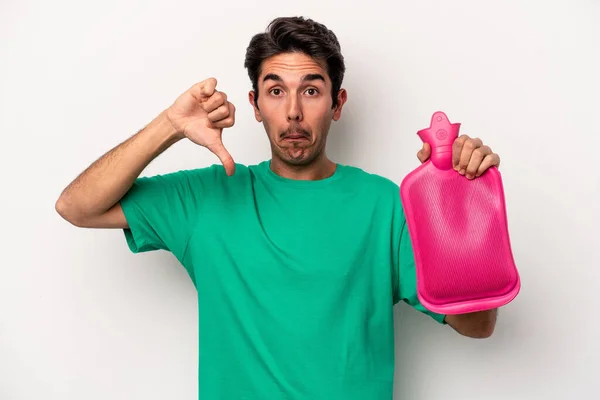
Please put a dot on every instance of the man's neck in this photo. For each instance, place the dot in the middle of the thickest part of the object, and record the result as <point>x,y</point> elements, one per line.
<point>319,169</point>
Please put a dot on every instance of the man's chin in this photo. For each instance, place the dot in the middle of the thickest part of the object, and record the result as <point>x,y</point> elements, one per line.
<point>297,156</point>
<point>298,153</point>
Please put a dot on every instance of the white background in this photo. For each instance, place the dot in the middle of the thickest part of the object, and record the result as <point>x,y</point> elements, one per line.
<point>83,318</point>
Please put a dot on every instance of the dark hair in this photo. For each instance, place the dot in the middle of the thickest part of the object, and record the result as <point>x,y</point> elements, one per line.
<point>296,34</point>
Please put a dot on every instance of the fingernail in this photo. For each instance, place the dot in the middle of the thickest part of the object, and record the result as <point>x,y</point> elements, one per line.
<point>469,176</point>
<point>462,171</point>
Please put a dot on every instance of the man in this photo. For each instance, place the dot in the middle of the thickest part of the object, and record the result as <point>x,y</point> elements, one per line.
<point>297,260</point>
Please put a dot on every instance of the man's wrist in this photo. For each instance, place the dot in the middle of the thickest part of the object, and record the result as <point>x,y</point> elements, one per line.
<point>172,133</point>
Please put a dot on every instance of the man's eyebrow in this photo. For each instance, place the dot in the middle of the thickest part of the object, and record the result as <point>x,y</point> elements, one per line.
<point>313,77</point>
<point>273,77</point>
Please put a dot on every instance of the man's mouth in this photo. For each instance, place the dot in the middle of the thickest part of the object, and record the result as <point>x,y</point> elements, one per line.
<point>295,133</point>
<point>295,136</point>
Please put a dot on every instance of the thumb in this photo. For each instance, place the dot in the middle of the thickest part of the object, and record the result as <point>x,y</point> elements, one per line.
<point>424,153</point>
<point>221,152</point>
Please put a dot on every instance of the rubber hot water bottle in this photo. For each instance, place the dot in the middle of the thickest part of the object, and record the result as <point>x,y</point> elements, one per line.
<point>458,229</point>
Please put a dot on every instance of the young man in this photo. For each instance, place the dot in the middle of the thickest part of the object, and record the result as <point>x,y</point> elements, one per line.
<point>298,260</point>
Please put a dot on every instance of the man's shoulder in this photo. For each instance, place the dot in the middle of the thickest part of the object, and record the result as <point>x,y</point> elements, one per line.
<point>190,181</point>
<point>374,180</point>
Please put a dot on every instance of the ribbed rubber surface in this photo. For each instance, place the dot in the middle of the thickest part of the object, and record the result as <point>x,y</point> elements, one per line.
<point>460,237</point>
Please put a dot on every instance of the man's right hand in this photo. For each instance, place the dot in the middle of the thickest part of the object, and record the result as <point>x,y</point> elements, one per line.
<point>200,114</point>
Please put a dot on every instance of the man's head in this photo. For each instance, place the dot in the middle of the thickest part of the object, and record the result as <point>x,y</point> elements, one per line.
<point>296,69</point>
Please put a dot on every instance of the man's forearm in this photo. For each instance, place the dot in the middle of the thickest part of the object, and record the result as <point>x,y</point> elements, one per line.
<point>108,179</point>
<point>476,325</point>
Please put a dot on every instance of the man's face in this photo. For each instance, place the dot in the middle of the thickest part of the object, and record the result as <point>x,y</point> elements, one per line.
<point>295,106</point>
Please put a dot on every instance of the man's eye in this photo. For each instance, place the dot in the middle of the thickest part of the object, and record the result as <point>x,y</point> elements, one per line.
<point>312,92</point>
<point>276,92</point>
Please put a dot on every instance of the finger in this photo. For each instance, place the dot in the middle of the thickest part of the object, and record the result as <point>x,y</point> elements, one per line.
<point>215,101</point>
<point>489,161</point>
<point>220,113</point>
<point>476,158</point>
<point>465,155</point>
<point>227,122</point>
<point>219,150</point>
<point>424,153</point>
<point>457,149</point>
<point>203,90</point>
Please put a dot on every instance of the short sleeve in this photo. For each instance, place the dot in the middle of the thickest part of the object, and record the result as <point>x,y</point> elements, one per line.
<point>162,211</point>
<point>406,278</point>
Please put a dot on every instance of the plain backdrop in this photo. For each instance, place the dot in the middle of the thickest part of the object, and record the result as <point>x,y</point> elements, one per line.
<point>83,318</point>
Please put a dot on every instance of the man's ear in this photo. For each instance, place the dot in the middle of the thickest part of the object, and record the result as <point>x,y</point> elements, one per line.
<point>342,97</point>
<point>253,102</point>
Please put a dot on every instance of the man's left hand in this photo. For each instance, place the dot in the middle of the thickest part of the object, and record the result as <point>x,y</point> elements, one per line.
<point>470,157</point>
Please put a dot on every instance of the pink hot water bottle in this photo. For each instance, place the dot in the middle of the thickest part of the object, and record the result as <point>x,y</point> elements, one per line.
<point>459,230</point>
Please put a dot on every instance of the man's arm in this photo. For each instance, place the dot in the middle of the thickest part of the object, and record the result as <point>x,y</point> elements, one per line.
<point>92,199</point>
<point>200,114</point>
<point>478,325</point>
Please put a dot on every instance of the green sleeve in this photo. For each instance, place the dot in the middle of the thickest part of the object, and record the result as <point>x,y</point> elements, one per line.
<point>162,211</point>
<point>406,284</point>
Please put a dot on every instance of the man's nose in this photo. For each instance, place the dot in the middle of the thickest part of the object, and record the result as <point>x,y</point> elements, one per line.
<point>294,110</point>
